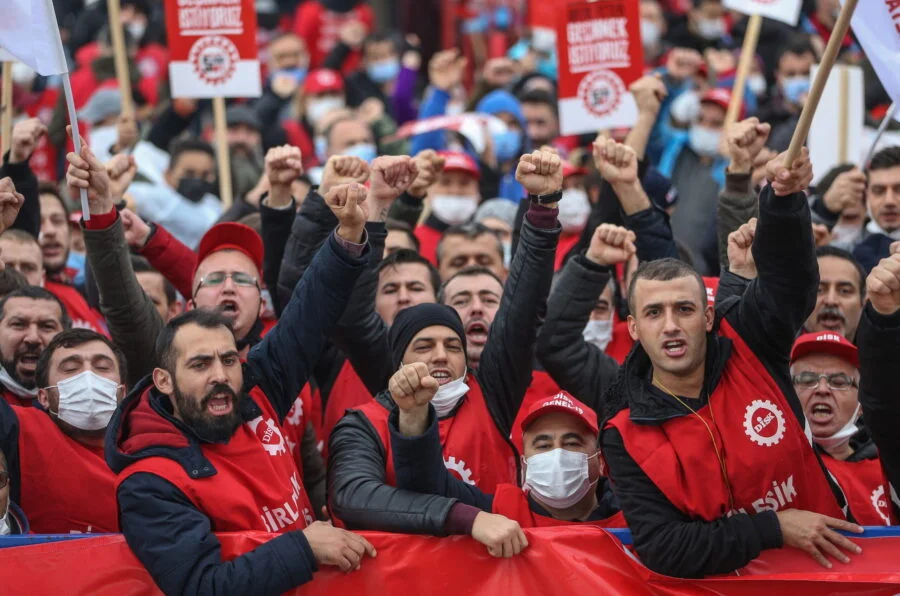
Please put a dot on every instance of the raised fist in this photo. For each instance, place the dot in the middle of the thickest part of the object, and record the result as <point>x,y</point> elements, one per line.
<point>611,245</point>
<point>25,137</point>
<point>371,110</point>
<point>283,165</point>
<point>121,170</point>
<point>137,232</point>
<point>87,172</point>
<point>848,189</point>
<point>446,69</point>
<point>343,169</point>
<point>391,176</point>
<point>412,387</point>
<point>499,72</point>
<point>11,202</point>
<point>617,163</point>
<point>740,255</point>
<point>540,172</point>
<point>744,141</point>
<point>337,547</point>
<point>348,203</point>
<point>429,165</point>
<point>787,181</point>
<point>648,92</point>
<point>883,285</point>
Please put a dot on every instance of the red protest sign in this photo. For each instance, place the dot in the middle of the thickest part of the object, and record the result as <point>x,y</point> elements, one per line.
<point>213,48</point>
<point>600,55</point>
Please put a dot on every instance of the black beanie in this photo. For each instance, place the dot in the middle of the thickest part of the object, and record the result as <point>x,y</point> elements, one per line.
<point>415,318</point>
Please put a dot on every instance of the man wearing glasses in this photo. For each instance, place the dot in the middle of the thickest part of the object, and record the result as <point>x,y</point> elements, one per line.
<point>825,372</point>
<point>13,521</point>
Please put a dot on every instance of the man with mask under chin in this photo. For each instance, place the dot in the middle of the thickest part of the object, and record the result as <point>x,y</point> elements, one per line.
<point>184,199</point>
<point>55,453</point>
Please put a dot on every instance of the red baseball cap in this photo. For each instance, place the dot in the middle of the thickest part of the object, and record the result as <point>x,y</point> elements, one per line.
<point>570,170</point>
<point>718,96</point>
<point>231,236</point>
<point>323,80</point>
<point>565,403</point>
<point>825,342</point>
<point>455,161</point>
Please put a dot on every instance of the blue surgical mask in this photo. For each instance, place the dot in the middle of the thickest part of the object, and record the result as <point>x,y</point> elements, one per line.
<point>365,151</point>
<point>507,144</point>
<point>384,71</point>
<point>794,87</point>
<point>298,73</point>
<point>321,144</point>
<point>548,67</point>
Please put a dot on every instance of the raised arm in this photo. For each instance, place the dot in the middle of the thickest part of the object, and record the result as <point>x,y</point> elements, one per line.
<point>504,370</point>
<point>25,138</point>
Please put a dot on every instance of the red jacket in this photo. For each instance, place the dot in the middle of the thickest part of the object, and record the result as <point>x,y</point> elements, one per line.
<point>320,29</point>
<point>173,259</point>
<point>428,238</point>
<point>82,315</point>
<point>511,501</point>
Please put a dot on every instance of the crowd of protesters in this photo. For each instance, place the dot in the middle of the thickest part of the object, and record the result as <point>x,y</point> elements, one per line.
<point>666,328</point>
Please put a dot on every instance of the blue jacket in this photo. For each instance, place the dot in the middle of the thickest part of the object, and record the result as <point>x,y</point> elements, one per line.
<point>18,523</point>
<point>173,539</point>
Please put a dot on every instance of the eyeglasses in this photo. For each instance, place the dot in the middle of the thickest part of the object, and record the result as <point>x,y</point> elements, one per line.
<point>836,381</point>
<point>4,478</point>
<point>217,278</point>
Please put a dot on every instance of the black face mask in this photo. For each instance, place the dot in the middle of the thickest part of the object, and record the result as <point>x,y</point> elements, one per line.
<point>193,188</point>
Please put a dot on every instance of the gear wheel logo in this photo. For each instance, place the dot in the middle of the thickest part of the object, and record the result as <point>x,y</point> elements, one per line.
<point>295,415</point>
<point>764,423</point>
<point>269,435</point>
<point>601,92</point>
<point>460,468</point>
<point>214,59</point>
<point>879,502</point>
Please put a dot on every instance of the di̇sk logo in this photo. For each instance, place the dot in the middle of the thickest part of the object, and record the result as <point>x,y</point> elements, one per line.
<point>460,468</point>
<point>879,502</point>
<point>764,423</point>
<point>600,92</point>
<point>295,415</point>
<point>269,435</point>
<point>214,59</point>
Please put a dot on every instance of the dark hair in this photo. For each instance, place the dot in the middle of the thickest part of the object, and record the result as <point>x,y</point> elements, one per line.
<point>187,145</point>
<point>393,225</point>
<point>141,265</point>
<point>471,271</point>
<point>540,96</point>
<point>49,188</point>
<point>11,280</point>
<point>72,338</point>
<point>36,293</point>
<point>828,179</point>
<point>885,159</point>
<point>381,37</point>
<point>470,231</point>
<point>202,317</point>
<point>840,253</point>
<point>663,270</point>
<point>405,256</point>
<point>797,44</point>
<point>346,118</point>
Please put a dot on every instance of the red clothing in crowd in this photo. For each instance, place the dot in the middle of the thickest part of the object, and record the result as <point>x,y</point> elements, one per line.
<point>347,393</point>
<point>14,400</point>
<point>428,238</point>
<point>566,242</point>
<point>320,28</point>
<point>864,485</point>
<point>511,501</point>
<point>82,315</point>
<point>66,487</point>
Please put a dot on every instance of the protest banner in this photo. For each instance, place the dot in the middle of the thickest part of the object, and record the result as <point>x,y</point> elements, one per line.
<point>876,24</point>
<point>836,134</point>
<point>214,55</point>
<point>600,55</point>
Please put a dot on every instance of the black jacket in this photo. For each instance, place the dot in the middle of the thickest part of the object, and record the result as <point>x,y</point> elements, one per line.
<point>356,457</point>
<point>878,339</point>
<point>173,539</point>
<point>767,317</point>
<point>26,183</point>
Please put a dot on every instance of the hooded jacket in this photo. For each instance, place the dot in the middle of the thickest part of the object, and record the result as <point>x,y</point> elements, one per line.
<point>171,537</point>
<point>18,523</point>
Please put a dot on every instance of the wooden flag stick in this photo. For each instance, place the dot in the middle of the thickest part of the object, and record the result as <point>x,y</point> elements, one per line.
<point>6,103</point>
<point>818,86</point>
<point>222,156</point>
<point>120,56</point>
<point>843,116</point>
<point>748,52</point>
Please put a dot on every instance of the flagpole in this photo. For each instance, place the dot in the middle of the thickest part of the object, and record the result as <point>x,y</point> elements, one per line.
<point>6,102</point>
<point>222,156</point>
<point>76,139</point>
<point>748,53</point>
<point>120,57</point>
<point>888,116</point>
<point>818,86</point>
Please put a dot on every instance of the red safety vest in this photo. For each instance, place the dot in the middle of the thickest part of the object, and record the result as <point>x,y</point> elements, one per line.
<point>66,486</point>
<point>14,400</point>
<point>256,485</point>
<point>347,393</point>
<point>428,239</point>
<point>82,315</point>
<point>864,486</point>
<point>474,450</point>
<point>294,425</point>
<point>770,461</point>
<point>510,501</point>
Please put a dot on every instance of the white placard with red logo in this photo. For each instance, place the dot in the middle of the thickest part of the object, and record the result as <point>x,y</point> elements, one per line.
<point>212,45</point>
<point>600,55</point>
<point>786,11</point>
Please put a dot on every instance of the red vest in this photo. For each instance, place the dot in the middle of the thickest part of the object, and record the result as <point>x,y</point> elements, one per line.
<point>256,485</point>
<point>348,392</point>
<point>566,242</point>
<point>510,501</point>
<point>428,239</point>
<point>294,425</point>
<point>82,315</point>
<point>14,400</point>
<point>66,486</point>
<point>770,460</point>
<point>474,449</point>
<point>864,486</point>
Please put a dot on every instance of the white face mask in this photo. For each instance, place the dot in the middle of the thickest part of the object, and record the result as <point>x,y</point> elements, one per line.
<point>711,28</point>
<point>705,141</point>
<point>448,396</point>
<point>757,84</point>
<point>574,209</point>
<point>650,34</point>
<point>845,234</point>
<point>137,30</point>
<point>598,333</point>
<point>686,107</point>
<point>558,478</point>
<point>842,436</point>
<point>507,253</point>
<point>317,108</point>
<point>87,400</point>
<point>5,530</point>
<point>453,209</point>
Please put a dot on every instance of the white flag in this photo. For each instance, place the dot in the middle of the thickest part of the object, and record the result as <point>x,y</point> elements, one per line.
<point>28,31</point>
<point>786,11</point>
<point>876,31</point>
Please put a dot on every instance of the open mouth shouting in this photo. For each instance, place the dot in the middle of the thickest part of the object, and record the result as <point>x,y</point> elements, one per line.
<point>219,402</point>
<point>831,319</point>
<point>442,375</point>
<point>477,332</point>
<point>675,348</point>
<point>229,308</point>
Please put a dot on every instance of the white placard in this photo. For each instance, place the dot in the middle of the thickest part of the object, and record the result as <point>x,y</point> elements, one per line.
<point>786,11</point>
<point>824,139</point>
